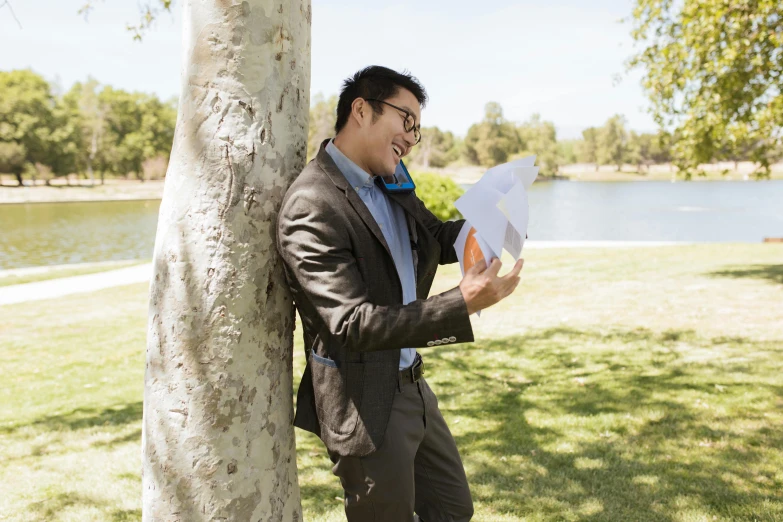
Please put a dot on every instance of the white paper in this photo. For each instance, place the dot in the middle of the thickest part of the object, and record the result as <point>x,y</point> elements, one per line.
<point>527,175</point>
<point>514,206</point>
<point>497,207</point>
<point>479,206</point>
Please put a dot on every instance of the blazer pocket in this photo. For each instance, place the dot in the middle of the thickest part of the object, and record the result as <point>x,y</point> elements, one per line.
<point>338,389</point>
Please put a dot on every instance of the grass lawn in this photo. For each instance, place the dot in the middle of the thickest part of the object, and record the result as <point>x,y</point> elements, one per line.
<point>637,384</point>
<point>56,272</point>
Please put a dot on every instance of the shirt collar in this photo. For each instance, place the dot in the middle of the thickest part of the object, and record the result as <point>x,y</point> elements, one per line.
<point>355,175</point>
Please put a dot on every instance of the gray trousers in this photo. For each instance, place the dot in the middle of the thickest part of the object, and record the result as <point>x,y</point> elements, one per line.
<point>416,469</point>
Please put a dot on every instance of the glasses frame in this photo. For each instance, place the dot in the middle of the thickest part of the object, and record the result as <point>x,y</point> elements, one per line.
<point>415,128</point>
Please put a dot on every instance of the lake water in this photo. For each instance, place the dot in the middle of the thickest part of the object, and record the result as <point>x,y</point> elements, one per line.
<point>58,233</point>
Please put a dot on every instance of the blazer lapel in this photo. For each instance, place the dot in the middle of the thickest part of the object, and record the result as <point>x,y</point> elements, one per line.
<point>327,165</point>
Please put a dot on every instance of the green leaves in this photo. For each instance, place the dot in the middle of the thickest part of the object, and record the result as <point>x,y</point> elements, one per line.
<point>493,140</point>
<point>323,114</point>
<point>437,148</point>
<point>33,123</point>
<point>713,74</point>
<point>89,127</point>
<point>438,193</point>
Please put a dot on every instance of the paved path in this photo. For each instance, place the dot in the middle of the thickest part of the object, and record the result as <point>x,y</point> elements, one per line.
<point>35,270</point>
<point>74,285</point>
<point>141,273</point>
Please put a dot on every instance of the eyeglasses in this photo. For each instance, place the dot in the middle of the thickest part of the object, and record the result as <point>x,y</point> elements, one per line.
<point>409,120</point>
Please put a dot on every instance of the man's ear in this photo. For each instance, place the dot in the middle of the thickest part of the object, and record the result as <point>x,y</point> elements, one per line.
<point>360,110</point>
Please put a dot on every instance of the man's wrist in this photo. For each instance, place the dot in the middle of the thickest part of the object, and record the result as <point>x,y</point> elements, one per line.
<point>467,302</point>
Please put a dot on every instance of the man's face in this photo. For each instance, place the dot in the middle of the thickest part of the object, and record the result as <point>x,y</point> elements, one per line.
<point>386,139</point>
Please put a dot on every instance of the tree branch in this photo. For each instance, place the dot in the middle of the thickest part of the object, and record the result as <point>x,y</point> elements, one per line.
<point>149,13</point>
<point>8,3</point>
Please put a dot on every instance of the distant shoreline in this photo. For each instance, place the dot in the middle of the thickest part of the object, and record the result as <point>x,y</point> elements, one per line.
<point>133,190</point>
<point>112,200</point>
<point>113,190</point>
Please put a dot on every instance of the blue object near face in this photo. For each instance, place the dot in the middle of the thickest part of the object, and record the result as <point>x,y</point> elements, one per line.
<point>400,183</point>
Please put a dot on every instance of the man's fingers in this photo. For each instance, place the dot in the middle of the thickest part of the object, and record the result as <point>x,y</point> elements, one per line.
<point>515,270</point>
<point>479,267</point>
<point>494,267</point>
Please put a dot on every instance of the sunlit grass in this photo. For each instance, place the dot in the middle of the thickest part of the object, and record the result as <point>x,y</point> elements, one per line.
<point>639,385</point>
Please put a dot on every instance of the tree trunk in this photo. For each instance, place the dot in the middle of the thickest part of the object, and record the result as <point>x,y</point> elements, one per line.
<point>19,178</point>
<point>91,156</point>
<point>218,441</point>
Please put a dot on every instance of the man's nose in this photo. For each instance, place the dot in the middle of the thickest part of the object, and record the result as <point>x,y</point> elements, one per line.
<point>410,138</point>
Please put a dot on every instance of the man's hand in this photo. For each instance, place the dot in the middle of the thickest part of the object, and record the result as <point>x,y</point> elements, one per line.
<point>481,287</point>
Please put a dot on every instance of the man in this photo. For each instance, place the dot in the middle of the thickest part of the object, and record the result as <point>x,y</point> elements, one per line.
<point>360,263</point>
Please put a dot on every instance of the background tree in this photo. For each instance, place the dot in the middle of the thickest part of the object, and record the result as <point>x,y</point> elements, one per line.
<point>34,124</point>
<point>493,140</point>
<point>12,158</point>
<point>323,115</point>
<point>217,436</point>
<point>587,148</point>
<point>612,142</point>
<point>567,151</point>
<point>638,151</point>
<point>660,149</point>
<point>714,75</point>
<point>138,127</point>
<point>89,112</point>
<point>540,138</point>
<point>436,148</point>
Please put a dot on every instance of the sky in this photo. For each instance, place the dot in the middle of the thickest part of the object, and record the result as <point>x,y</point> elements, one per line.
<point>560,58</point>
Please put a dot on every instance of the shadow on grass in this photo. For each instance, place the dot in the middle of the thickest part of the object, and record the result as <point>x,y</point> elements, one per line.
<point>126,515</point>
<point>83,418</point>
<point>321,499</point>
<point>134,436</point>
<point>772,273</point>
<point>54,505</point>
<point>633,428</point>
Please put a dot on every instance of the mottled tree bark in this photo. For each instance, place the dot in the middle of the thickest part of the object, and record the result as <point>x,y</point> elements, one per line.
<point>218,441</point>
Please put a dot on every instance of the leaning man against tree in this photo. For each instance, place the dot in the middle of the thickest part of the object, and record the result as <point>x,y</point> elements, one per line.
<point>360,260</point>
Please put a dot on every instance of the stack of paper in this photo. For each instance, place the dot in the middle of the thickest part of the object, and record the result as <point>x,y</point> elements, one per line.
<point>496,210</point>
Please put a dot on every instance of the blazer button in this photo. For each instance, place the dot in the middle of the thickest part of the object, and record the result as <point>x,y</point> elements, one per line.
<point>431,343</point>
<point>452,339</point>
<point>445,340</point>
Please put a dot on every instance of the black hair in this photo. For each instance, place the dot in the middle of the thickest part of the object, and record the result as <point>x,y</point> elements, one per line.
<point>376,82</point>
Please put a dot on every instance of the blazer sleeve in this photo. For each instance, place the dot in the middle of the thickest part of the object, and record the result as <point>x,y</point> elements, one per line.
<point>317,252</point>
<point>445,232</point>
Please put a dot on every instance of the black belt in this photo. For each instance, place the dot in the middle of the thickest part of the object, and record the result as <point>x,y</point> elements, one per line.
<point>414,373</point>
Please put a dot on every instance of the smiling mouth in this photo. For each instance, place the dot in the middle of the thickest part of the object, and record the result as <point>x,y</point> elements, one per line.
<point>397,151</point>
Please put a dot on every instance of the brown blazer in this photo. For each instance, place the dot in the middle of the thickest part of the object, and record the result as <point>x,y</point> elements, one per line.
<point>349,297</point>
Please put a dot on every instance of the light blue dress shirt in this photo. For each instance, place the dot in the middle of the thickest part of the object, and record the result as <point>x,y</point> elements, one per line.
<point>391,220</point>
